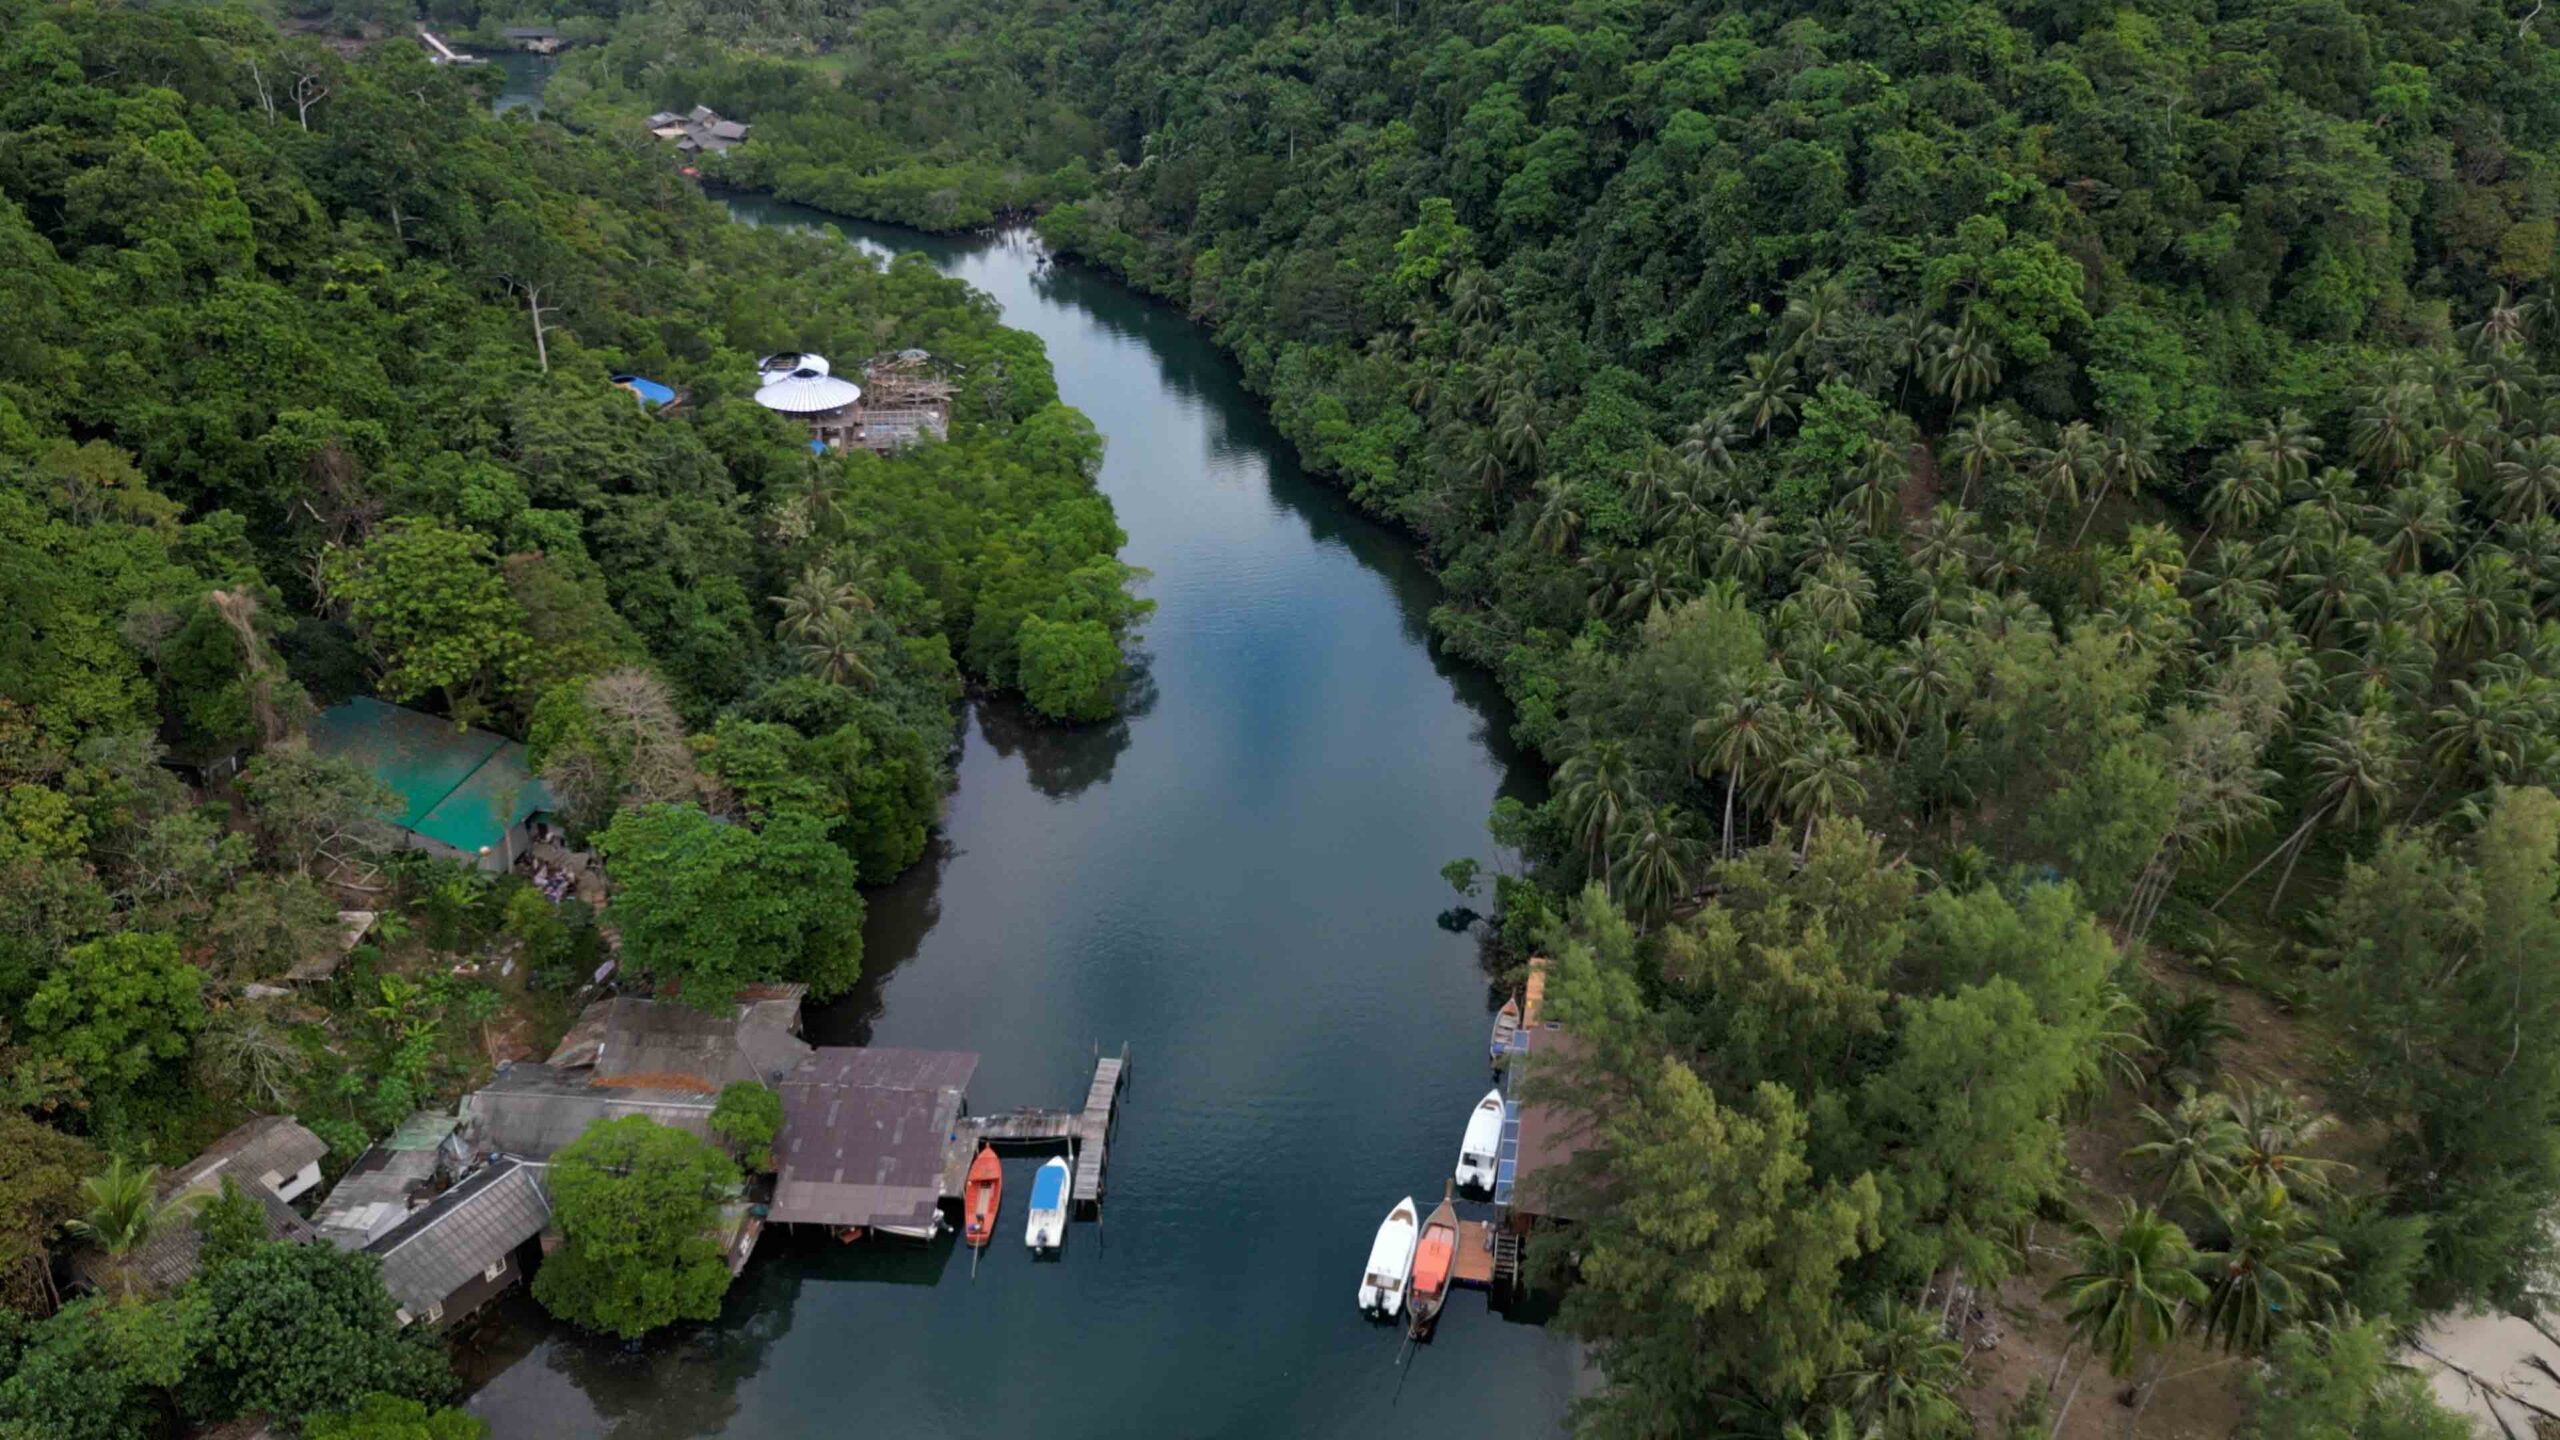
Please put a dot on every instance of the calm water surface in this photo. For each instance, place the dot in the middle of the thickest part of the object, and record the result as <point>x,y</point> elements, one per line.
<point>1239,881</point>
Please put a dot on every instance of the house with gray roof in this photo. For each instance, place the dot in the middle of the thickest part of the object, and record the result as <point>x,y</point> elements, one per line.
<point>272,1159</point>
<point>663,1044</point>
<point>387,1182</point>
<point>448,1259</point>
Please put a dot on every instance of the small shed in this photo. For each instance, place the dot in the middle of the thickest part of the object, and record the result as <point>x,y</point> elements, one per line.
<point>864,1131</point>
<point>452,1256</point>
<point>463,793</point>
<point>388,1181</point>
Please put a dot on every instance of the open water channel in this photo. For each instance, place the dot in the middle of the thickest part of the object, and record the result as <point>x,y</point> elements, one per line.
<point>1239,880</point>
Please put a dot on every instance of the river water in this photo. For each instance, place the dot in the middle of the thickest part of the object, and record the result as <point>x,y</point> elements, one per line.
<point>1239,880</point>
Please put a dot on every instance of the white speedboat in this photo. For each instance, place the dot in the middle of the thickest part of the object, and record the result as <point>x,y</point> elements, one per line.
<point>1481,1151</point>
<point>1048,1227</point>
<point>1390,1261</point>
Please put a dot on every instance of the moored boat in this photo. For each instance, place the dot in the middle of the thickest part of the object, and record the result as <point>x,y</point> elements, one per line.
<point>1048,1227</point>
<point>1435,1262</point>
<point>1480,1152</point>
<point>1506,1025</point>
<point>1390,1262</point>
<point>985,1196</point>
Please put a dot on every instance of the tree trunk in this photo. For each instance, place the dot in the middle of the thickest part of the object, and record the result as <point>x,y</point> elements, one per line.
<point>2064,1413</point>
<point>1732,781</point>
<point>2299,831</point>
<point>2091,518</point>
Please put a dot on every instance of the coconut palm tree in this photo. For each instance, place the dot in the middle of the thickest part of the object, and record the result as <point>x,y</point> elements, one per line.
<point>1708,444</point>
<point>1597,787</point>
<point>2193,1148</point>
<point>2416,518</point>
<point>1982,443</point>
<point>821,594</point>
<point>1656,853</point>
<point>123,1210</point>
<point>1923,677</point>
<point>2276,1128</point>
<point>1877,497</point>
<point>1904,1381</point>
<point>1746,546</point>
<point>2389,428</point>
<point>2129,1292</point>
<point>1819,773</point>
<point>2355,767</point>
<point>2185,1037</point>
<point>1964,364</point>
<point>1742,739</point>
<point>830,650</point>
<point>2528,480</point>
<point>1837,596</point>
<point>2270,1273</point>
<point>1768,390</point>
<point>1559,522</point>
<point>2065,469</point>
<point>2244,491</point>
<point>1653,583</point>
<point>2128,459</point>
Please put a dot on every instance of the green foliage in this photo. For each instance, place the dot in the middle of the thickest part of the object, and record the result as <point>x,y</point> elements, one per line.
<point>230,1228</point>
<point>40,1173</point>
<point>100,1369</point>
<point>2341,1380</point>
<point>748,1115</point>
<point>299,1330</point>
<point>429,603</point>
<point>1070,670</point>
<point>714,906</point>
<point>393,1417</point>
<point>639,1204</point>
<point>119,1010</point>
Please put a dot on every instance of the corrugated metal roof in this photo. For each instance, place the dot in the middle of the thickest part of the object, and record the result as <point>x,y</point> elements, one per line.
<point>443,1246</point>
<point>754,1041</point>
<point>864,1133</point>
<point>806,392</point>
<point>168,1259</point>
<point>535,1111</point>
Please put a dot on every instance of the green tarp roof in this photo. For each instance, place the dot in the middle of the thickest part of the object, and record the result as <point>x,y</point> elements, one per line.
<point>464,788</point>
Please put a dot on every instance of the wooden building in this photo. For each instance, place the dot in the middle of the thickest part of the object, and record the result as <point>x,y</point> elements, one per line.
<point>864,1138</point>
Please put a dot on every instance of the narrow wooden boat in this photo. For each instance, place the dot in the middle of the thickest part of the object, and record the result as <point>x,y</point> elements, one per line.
<point>985,1195</point>
<point>1435,1263</point>
<point>1480,1152</point>
<point>1506,1025</point>
<point>1390,1262</point>
<point>1048,1227</point>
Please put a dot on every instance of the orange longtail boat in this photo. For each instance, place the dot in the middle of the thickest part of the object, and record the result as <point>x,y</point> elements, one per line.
<point>985,1192</point>
<point>1434,1262</point>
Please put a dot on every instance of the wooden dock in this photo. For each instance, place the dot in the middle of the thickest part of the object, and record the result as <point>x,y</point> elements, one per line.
<point>1087,1132</point>
<point>1474,1267</point>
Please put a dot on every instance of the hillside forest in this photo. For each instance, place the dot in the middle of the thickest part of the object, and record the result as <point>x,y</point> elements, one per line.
<point>2026,532</point>
<point>305,392</point>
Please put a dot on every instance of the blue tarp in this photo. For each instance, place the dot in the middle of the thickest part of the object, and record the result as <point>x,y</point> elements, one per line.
<point>651,393</point>
<point>1049,1188</point>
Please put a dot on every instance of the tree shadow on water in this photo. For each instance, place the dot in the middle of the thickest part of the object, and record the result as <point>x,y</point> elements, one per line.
<point>1064,761</point>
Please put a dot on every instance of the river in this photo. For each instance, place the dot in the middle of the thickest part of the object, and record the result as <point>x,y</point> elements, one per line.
<point>1239,880</point>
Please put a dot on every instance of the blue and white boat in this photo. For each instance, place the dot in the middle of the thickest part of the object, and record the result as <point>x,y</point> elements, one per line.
<point>1048,1227</point>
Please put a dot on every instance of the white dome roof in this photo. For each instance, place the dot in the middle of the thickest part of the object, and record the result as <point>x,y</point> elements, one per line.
<point>807,392</point>
<point>789,361</point>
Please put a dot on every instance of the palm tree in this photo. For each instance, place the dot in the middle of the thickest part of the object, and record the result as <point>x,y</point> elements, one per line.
<point>2288,446</point>
<point>1597,787</point>
<point>1559,521</point>
<point>828,649</point>
<point>820,595</point>
<point>2355,765</point>
<point>1769,392</point>
<point>1656,854</point>
<point>1877,498</point>
<point>123,1211</point>
<point>1964,364</point>
<point>2529,479</point>
<point>1741,739</point>
<point>1924,676</point>
<point>2244,491</point>
<point>2192,1150</point>
<point>1746,545</point>
<point>2389,427</point>
<point>2270,1273</point>
<point>2185,1040</point>
<point>2127,461</point>
<point>2128,1293</point>
<point>2500,328</point>
<point>1818,774</point>
<point>1837,596</point>
<point>1709,441</point>
<point>1985,440</point>
<point>1947,533</point>
<point>2065,469</point>
<point>2415,519</point>
<point>1906,1375</point>
<point>2275,1128</point>
<point>1653,584</point>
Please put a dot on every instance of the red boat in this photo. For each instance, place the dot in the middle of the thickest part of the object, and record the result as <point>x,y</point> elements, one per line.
<point>985,1192</point>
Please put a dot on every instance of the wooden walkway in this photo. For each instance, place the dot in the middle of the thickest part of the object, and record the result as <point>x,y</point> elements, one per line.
<point>1475,1255</point>
<point>1087,1132</point>
<point>1101,1114</point>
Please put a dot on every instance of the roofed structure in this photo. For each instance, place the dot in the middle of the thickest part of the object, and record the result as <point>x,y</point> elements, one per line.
<point>863,1135</point>
<point>451,1256</point>
<point>321,963</point>
<point>1539,1137</point>
<point>462,793</point>
<point>535,1110</point>
<point>273,1160</point>
<point>388,1181</point>
<point>667,1045</point>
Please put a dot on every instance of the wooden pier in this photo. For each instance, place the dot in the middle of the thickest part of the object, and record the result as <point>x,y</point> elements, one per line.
<point>1086,1132</point>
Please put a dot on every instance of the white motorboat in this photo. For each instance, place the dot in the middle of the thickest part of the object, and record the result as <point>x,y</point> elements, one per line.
<point>1481,1151</point>
<point>1390,1261</point>
<point>1048,1227</point>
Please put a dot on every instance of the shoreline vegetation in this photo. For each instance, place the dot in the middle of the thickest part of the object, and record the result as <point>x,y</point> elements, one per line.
<point>306,393</point>
<point>2024,533</point>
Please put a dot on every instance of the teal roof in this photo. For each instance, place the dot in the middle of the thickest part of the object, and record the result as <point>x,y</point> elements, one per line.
<point>460,787</point>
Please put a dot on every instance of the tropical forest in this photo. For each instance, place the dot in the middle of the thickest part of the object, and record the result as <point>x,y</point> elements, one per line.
<point>2011,550</point>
